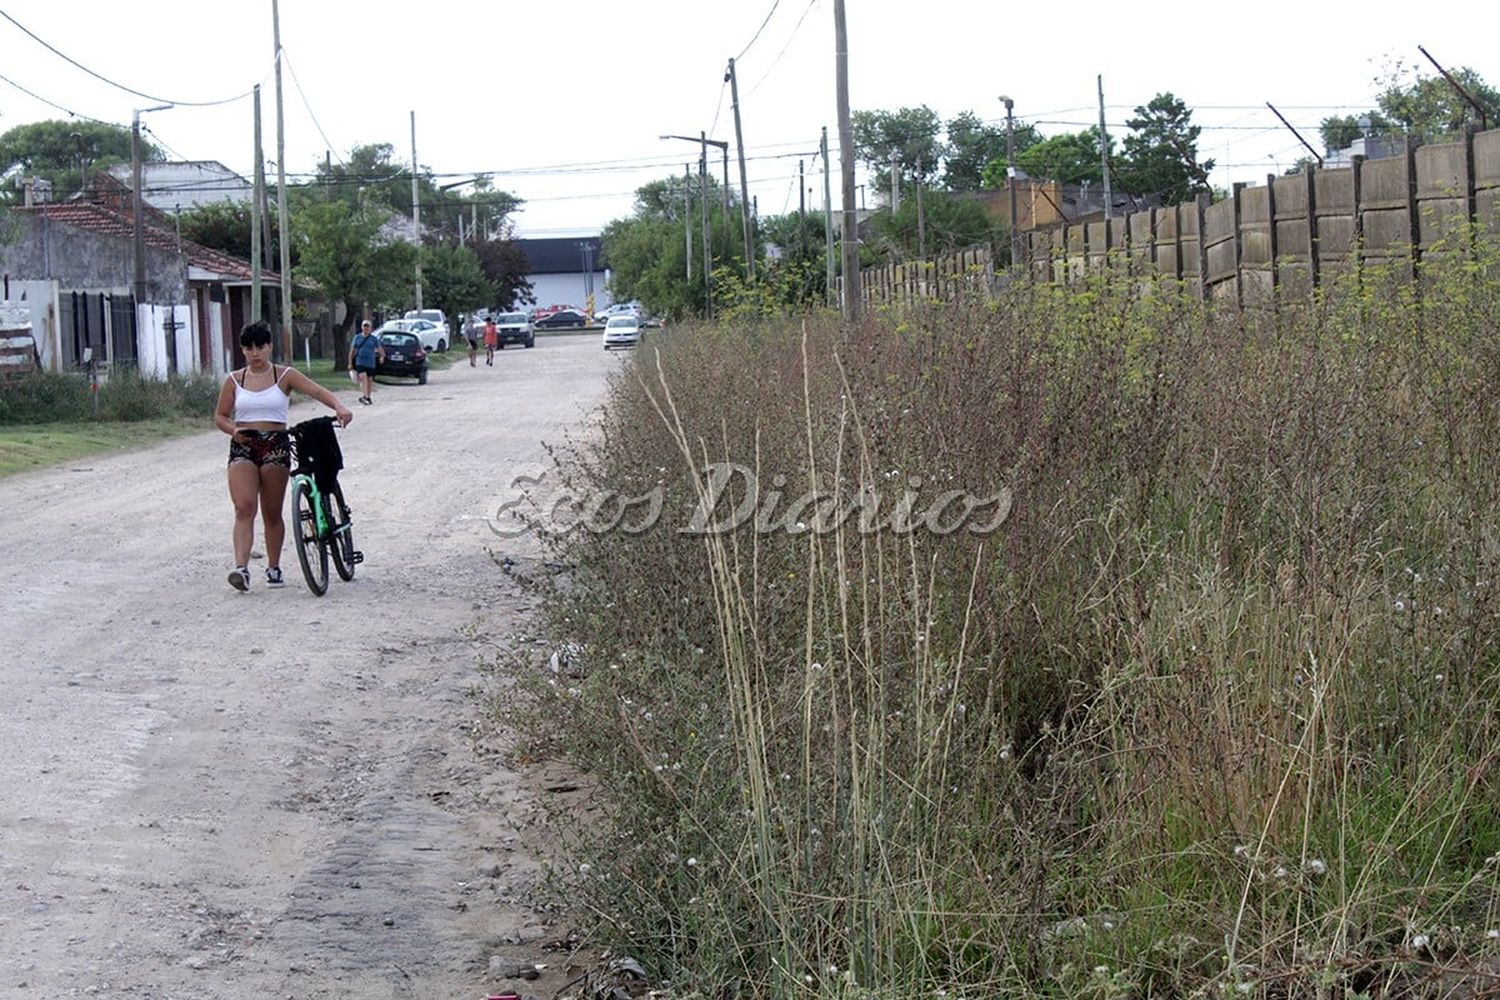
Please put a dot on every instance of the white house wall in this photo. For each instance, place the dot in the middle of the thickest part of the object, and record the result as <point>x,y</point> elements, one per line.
<point>151,322</point>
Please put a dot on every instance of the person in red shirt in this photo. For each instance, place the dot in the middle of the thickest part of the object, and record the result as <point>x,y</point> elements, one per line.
<point>491,338</point>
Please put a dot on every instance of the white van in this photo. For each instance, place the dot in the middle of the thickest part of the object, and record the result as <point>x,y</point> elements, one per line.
<point>430,315</point>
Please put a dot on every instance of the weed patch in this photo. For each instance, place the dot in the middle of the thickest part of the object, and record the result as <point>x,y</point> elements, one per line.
<point>1212,708</point>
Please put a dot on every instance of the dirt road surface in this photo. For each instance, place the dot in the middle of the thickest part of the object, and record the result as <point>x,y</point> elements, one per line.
<point>209,794</point>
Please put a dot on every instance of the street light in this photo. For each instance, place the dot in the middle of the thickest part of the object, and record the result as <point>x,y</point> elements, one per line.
<point>718,144</point>
<point>140,234</point>
<point>703,143</point>
<point>1010,177</point>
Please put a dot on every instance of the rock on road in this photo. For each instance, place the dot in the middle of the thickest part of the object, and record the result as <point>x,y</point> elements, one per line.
<point>210,794</point>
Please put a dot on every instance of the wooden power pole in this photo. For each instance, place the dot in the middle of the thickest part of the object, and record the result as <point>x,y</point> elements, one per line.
<point>846,166</point>
<point>285,242</point>
<point>739,140</point>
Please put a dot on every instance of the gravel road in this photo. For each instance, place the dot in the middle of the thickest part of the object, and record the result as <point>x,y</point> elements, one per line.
<point>209,794</point>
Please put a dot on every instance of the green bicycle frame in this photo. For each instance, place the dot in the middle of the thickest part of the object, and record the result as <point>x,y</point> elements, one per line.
<point>317,501</point>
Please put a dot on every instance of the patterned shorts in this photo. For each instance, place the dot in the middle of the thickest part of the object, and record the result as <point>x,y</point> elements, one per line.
<point>263,448</point>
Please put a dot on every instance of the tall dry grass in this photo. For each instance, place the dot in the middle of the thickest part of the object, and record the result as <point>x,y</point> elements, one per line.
<point>1213,709</point>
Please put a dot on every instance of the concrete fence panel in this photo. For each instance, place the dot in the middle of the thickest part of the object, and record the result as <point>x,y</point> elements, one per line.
<point>1335,194</point>
<point>1445,196</point>
<point>1286,238</point>
<point>1487,182</point>
<point>1387,209</point>
<point>1292,231</point>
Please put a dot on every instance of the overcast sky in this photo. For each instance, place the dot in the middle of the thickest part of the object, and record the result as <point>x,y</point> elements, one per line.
<point>563,101</point>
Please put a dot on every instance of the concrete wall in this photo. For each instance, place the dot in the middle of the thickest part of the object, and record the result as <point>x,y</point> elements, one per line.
<point>1298,232</point>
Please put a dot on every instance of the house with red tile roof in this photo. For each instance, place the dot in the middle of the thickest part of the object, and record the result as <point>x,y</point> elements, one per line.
<point>77,263</point>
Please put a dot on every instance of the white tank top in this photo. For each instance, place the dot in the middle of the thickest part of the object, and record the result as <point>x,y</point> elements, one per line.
<point>268,405</point>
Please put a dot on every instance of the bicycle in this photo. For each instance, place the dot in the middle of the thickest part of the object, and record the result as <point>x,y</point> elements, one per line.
<point>321,522</point>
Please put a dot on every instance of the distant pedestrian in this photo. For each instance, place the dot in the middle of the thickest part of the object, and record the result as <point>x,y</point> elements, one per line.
<point>471,334</point>
<point>491,338</point>
<point>365,353</point>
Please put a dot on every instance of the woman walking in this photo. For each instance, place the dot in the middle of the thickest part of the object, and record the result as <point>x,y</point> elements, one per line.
<point>365,353</point>
<point>252,410</point>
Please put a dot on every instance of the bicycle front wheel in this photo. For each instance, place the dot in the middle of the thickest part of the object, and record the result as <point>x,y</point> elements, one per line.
<point>312,551</point>
<point>340,533</point>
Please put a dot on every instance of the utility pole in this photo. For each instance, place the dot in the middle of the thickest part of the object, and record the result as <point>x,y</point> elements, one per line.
<point>850,233</point>
<point>1010,177</point>
<point>708,267</point>
<point>137,210</point>
<point>284,264</point>
<point>827,220</point>
<point>921,216</point>
<point>416,209</point>
<point>739,140</point>
<point>801,209</point>
<point>687,215</point>
<point>1109,200</point>
<point>255,219</point>
<point>895,182</point>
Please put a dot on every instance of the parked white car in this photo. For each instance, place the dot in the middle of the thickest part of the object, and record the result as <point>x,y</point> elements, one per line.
<point>438,319</point>
<point>622,331</point>
<point>618,309</point>
<point>432,336</point>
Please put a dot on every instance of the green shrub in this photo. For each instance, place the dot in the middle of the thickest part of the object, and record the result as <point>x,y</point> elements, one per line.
<point>44,397</point>
<point>52,397</point>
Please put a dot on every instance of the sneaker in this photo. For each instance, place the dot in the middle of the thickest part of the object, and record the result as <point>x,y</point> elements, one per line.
<point>273,577</point>
<point>239,578</point>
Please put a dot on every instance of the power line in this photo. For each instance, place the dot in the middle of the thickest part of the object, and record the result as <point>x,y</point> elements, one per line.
<point>774,5</point>
<point>120,86</point>
<point>327,143</point>
<point>790,39</point>
<point>53,104</point>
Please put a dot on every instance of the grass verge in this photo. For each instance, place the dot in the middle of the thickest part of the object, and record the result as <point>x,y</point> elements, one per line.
<point>37,446</point>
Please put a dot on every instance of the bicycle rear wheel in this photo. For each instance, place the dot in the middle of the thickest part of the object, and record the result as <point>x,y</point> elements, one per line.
<point>341,534</point>
<point>312,552</point>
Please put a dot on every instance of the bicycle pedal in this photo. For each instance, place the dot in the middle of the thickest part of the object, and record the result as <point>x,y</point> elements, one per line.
<point>359,557</point>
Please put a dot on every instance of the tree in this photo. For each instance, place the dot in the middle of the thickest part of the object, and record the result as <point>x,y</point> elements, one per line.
<point>647,256</point>
<point>64,152</point>
<point>908,137</point>
<point>800,272</point>
<point>1340,131</point>
<point>1426,108</point>
<point>951,224</point>
<point>1161,152</point>
<point>506,268</point>
<point>221,225</point>
<point>972,145</point>
<point>647,251</point>
<point>453,281</point>
<point>372,176</point>
<point>341,252</point>
<point>1070,158</point>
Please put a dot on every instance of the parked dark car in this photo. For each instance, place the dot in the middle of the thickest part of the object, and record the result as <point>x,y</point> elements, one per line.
<point>563,318</point>
<point>404,357</point>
